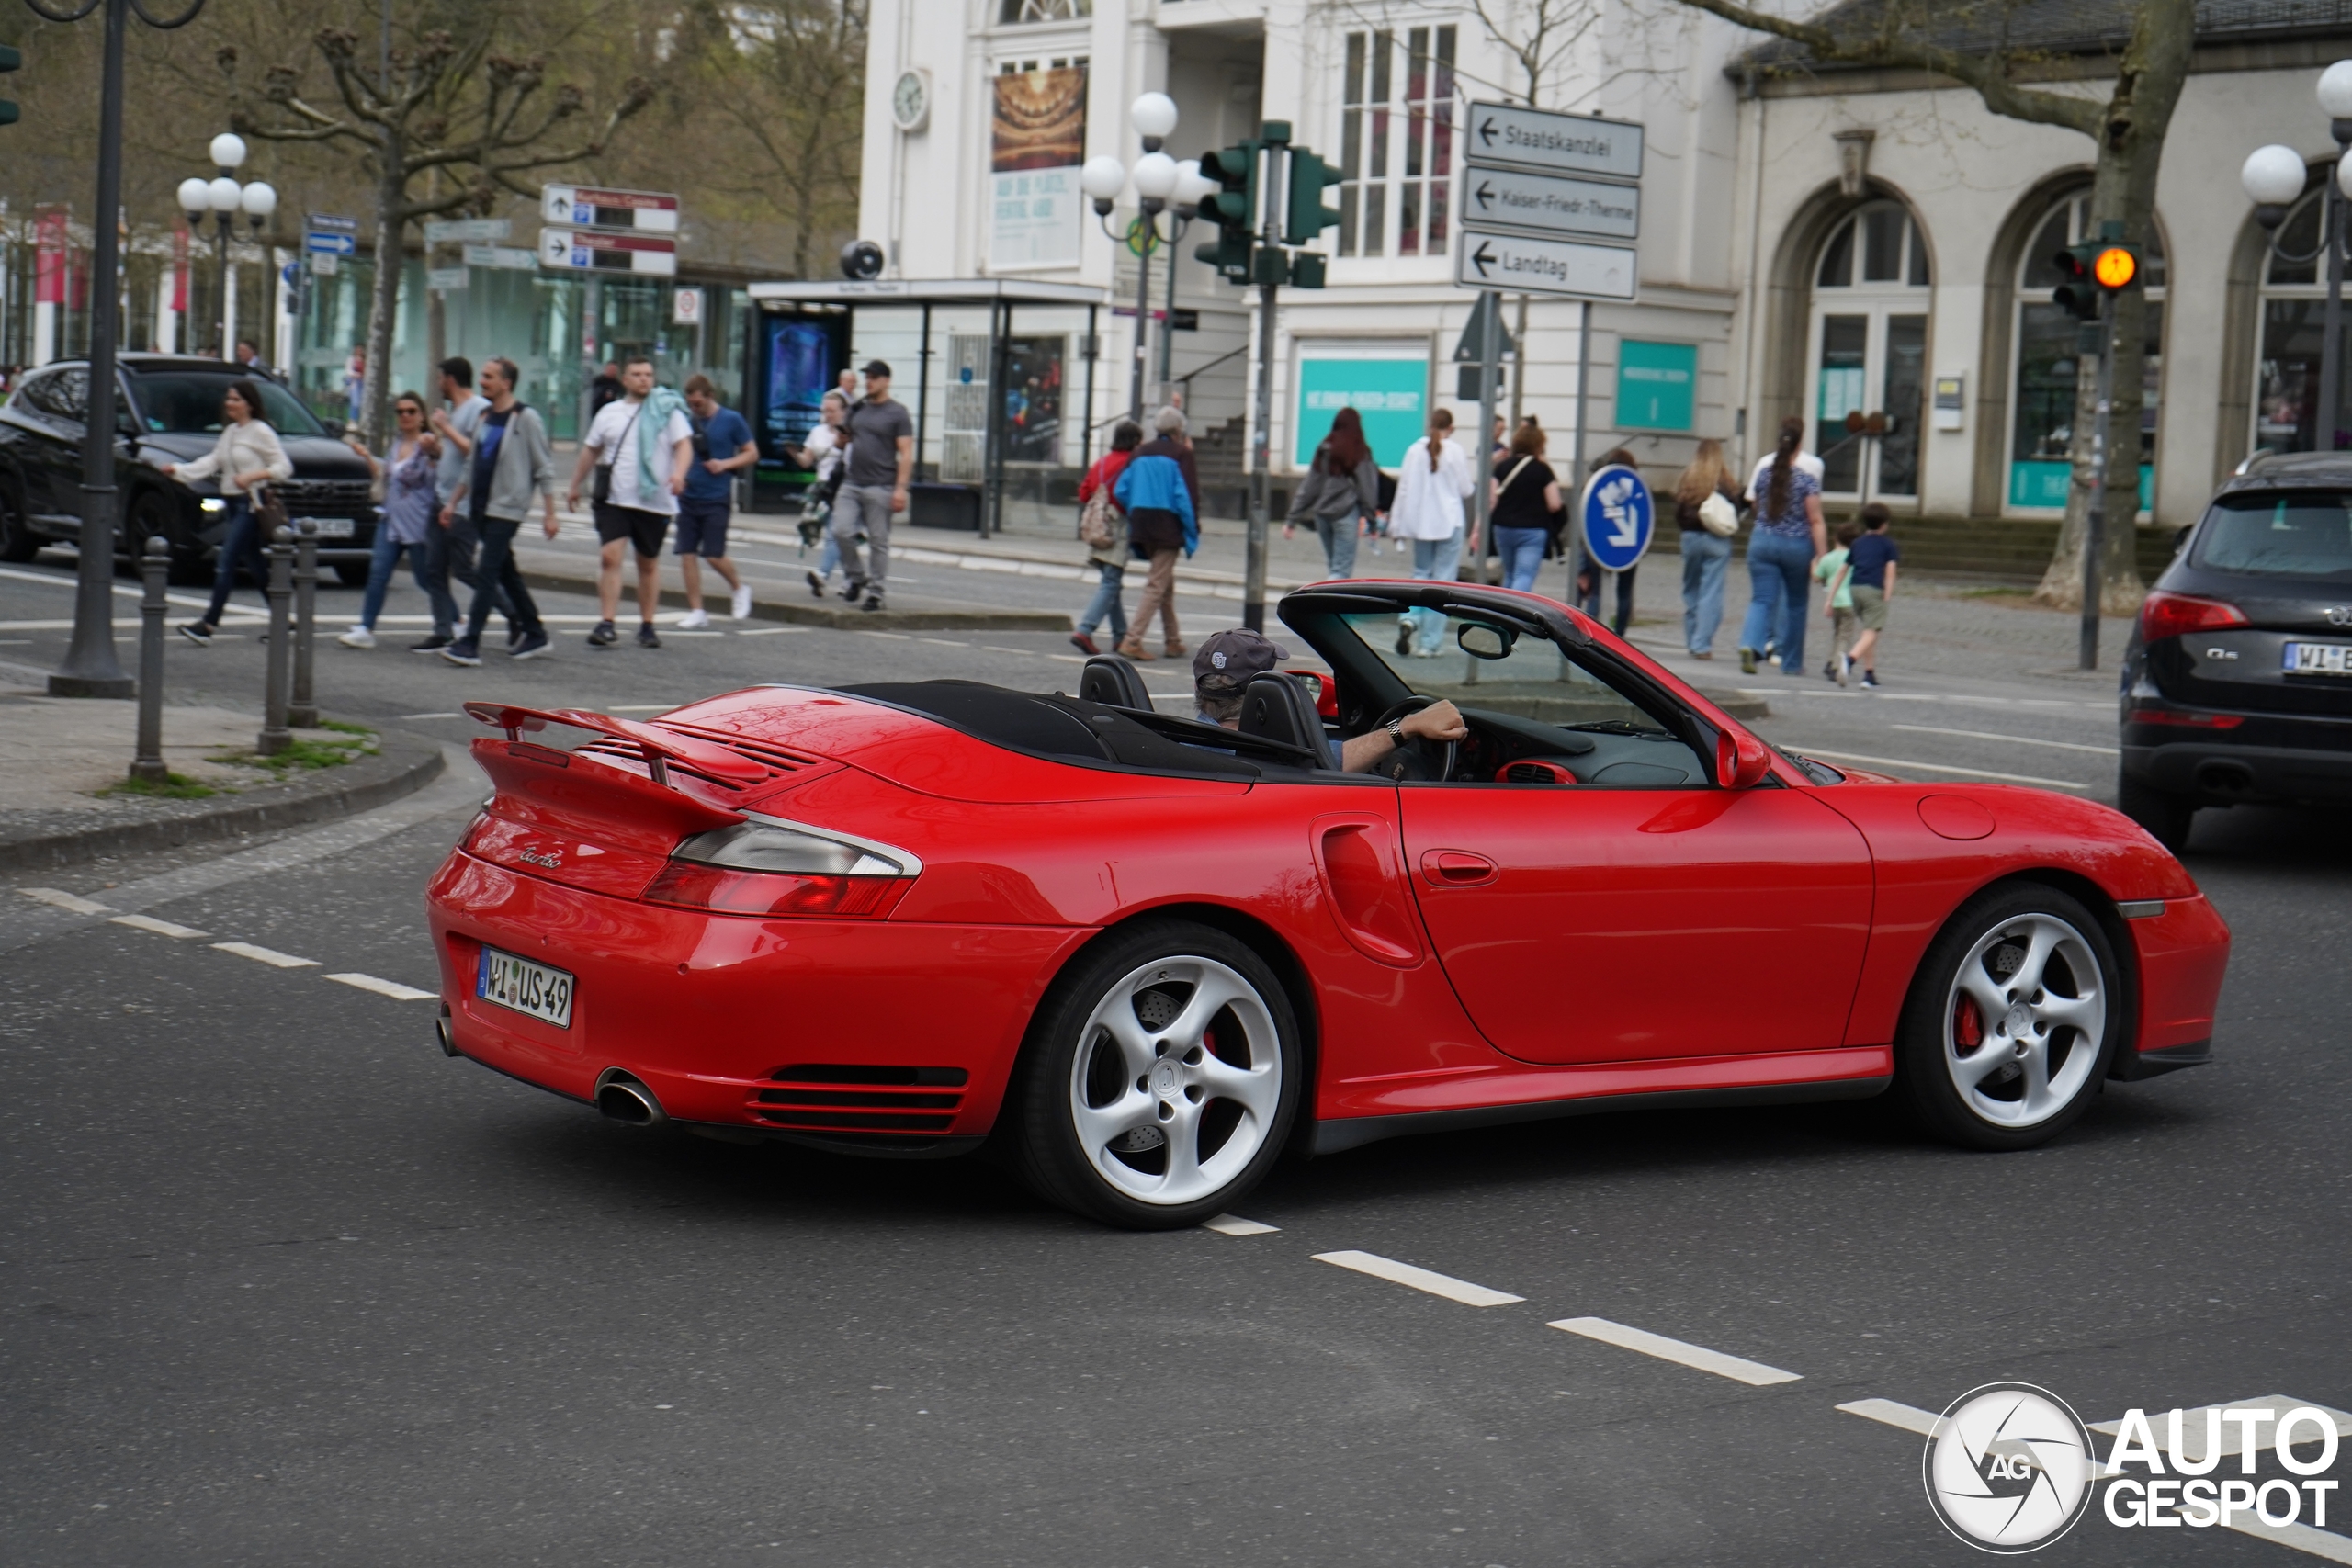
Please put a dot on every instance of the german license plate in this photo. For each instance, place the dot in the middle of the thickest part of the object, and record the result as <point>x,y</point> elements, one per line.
<point>332,527</point>
<point>2317,659</point>
<point>525,987</point>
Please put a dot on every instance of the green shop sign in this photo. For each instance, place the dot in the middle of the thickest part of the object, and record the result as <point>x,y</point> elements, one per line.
<point>1391,396</point>
<point>2042,484</point>
<point>1656,385</point>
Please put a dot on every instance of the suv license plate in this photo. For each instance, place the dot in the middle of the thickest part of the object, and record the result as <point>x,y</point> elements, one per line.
<point>525,987</point>
<point>331,527</point>
<point>2317,659</point>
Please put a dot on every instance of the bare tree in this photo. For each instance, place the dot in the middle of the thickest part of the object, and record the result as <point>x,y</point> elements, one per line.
<point>438,106</point>
<point>1945,37</point>
<point>796,71</point>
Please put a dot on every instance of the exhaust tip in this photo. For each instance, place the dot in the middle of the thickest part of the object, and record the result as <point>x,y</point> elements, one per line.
<point>442,1034</point>
<point>624,1098</point>
<point>2225,778</point>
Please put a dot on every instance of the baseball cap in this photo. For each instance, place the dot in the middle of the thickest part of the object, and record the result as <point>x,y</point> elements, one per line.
<point>1229,661</point>
<point>877,368</point>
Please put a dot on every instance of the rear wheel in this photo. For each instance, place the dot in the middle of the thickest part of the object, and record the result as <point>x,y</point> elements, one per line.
<point>1161,1080</point>
<point>351,573</point>
<point>2007,1034</point>
<point>2164,814</point>
<point>17,540</point>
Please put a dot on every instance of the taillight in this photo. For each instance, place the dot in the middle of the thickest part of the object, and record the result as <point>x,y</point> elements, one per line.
<point>2171,615</point>
<point>764,866</point>
<point>2187,720</point>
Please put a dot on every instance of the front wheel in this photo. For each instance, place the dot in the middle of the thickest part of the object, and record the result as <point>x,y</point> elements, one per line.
<point>351,573</point>
<point>1161,1080</point>
<point>2011,1020</point>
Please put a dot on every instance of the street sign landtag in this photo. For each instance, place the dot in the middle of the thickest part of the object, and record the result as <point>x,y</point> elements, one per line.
<point>1522,265</point>
<point>1618,516</point>
<point>587,250</point>
<point>1555,203</point>
<point>503,258</point>
<point>1554,143</point>
<point>590,207</point>
<point>467,230</point>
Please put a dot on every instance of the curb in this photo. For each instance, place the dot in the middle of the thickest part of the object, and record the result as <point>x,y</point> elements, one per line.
<point>845,620</point>
<point>404,765</point>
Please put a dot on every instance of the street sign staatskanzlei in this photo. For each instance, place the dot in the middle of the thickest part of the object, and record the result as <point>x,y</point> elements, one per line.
<point>503,258</point>
<point>467,230</point>
<point>1520,264</point>
<point>1550,204</point>
<point>1553,142</point>
<point>1618,517</point>
<point>590,207</point>
<point>584,250</point>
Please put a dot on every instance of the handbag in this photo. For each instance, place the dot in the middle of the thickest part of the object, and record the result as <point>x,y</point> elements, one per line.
<point>600,489</point>
<point>269,512</point>
<point>1718,517</point>
<point>1095,526</point>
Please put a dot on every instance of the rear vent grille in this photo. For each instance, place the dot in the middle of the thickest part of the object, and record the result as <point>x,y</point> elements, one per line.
<point>909,1101</point>
<point>776,759</point>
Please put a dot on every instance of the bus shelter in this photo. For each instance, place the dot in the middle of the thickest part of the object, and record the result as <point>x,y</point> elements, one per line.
<point>1000,375</point>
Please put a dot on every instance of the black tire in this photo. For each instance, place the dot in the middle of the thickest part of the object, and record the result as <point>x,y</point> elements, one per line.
<point>2164,814</point>
<point>152,513</point>
<point>17,540</point>
<point>351,573</point>
<point>1938,1051</point>
<point>1073,1069</point>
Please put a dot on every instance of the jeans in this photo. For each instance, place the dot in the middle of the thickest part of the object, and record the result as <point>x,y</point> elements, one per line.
<point>1590,602</point>
<point>449,551</point>
<point>1338,537</point>
<point>385,561</point>
<point>497,574</point>
<point>1522,553</point>
<point>1706,561</point>
<point>1434,561</point>
<point>865,507</point>
<point>1105,602</point>
<point>241,544</point>
<point>1780,571</point>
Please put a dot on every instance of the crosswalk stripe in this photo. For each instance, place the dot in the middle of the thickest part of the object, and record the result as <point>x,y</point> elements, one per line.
<point>268,955</point>
<point>1234,1224</point>
<point>1436,1284</point>
<point>1909,1418</point>
<point>161,928</point>
<point>1738,1367</point>
<point>391,988</point>
<point>58,897</point>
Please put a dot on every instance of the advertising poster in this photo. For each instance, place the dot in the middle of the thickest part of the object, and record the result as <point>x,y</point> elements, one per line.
<point>1389,395</point>
<point>798,367</point>
<point>1657,383</point>
<point>1037,142</point>
<point>1033,399</point>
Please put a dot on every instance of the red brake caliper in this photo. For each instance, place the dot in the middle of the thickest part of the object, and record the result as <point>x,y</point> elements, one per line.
<point>1967,1024</point>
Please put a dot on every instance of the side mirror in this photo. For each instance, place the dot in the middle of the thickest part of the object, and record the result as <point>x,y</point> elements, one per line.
<point>1480,640</point>
<point>1742,762</point>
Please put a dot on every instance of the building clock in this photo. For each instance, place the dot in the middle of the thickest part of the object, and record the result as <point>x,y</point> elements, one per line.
<point>911,101</point>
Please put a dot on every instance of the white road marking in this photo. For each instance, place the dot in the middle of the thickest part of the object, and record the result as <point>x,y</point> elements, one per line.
<point>64,900</point>
<point>1909,1418</point>
<point>1936,768</point>
<point>772,631</point>
<point>1737,1368</point>
<point>942,642</point>
<point>1444,1285</point>
<point>894,636</point>
<point>673,631</point>
<point>268,955</point>
<point>2012,739</point>
<point>36,625</point>
<point>161,928</point>
<point>432,715</point>
<point>391,988</point>
<point>2300,1536</point>
<point>1234,1224</point>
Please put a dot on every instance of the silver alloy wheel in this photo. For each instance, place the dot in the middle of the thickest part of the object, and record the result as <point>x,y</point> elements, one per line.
<point>1176,1080</point>
<point>2027,994</point>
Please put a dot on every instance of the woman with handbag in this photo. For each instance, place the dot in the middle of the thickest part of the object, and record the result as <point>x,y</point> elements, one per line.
<point>1525,496</point>
<point>1706,510</point>
<point>406,517</point>
<point>1339,494</point>
<point>1103,528</point>
<point>1432,481</point>
<point>247,457</point>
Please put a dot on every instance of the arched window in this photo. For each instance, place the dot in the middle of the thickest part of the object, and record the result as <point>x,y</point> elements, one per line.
<point>2042,428</point>
<point>2294,294</point>
<point>1869,353</point>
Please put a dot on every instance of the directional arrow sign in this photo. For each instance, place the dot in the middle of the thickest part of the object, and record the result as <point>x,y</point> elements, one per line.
<point>587,207</point>
<point>1551,204</point>
<point>1556,143</point>
<point>467,231</point>
<point>588,251</point>
<point>1520,264</point>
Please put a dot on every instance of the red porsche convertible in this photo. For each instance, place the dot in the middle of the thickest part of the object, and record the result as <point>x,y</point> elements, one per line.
<point>1150,955</point>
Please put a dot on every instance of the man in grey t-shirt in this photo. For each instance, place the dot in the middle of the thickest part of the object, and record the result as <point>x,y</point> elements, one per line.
<point>881,460</point>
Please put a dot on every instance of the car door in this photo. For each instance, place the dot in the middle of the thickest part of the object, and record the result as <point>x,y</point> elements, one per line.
<point>45,440</point>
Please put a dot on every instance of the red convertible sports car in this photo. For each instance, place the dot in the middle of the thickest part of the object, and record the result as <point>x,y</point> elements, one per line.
<point>1148,955</point>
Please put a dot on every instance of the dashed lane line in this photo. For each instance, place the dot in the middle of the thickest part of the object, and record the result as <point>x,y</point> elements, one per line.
<point>1936,768</point>
<point>1738,1367</point>
<point>268,955</point>
<point>2012,739</point>
<point>1909,1418</point>
<point>58,897</point>
<point>1234,1224</point>
<point>161,928</point>
<point>391,988</point>
<point>1436,1284</point>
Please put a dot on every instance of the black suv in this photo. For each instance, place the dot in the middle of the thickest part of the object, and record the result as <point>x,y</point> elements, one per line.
<point>2237,686</point>
<point>170,412</point>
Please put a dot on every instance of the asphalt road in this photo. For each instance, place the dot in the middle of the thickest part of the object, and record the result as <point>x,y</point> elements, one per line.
<point>286,1286</point>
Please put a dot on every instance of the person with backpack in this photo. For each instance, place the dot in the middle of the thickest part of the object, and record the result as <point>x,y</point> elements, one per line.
<point>1432,481</point>
<point>1103,528</point>
<point>1339,494</point>
<point>1158,491</point>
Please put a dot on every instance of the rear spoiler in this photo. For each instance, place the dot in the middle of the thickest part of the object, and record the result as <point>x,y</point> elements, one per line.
<point>660,746</point>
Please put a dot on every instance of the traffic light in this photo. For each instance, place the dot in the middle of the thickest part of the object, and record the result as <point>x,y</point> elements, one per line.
<point>2078,295</point>
<point>10,60</point>
<point>1307,217</point>
<point>1234,209</point>
<point>2115,268</point>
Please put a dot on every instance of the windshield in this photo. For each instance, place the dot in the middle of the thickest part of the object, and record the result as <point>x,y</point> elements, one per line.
<point>2278,533</point>
<point>187,402</point>
<point>1534,680</point>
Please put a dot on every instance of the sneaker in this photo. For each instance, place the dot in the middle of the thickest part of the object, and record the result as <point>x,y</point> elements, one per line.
<point>1747,661</point>
<point>1404,639</point>
<point>433,644</point>
<point>739,607</point>
<point>1829,673</point>
<point>513,636</point>
<point>1702,653</point>
<point>645,637</point>
<point>358,637</point>
<point>1845,667</point>
<point>604,635</point>
<point>853,590</point>
<point>694,620</point>
<point>1175,649</point>
<point>197,633</point>
<point>873,602</point>
<point>1869,679</point>
<point>1771,647</point>
<point>464,653</point>
<point>1084,644</point>
<point>531,645</point>
<point>816,584</point>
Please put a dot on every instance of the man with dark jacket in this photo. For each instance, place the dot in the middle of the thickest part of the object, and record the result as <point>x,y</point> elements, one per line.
<point>1161,492</point>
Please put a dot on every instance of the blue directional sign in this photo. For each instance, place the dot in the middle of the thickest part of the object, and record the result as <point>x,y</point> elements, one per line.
<point>1618,517</point>
<point>326,242</point>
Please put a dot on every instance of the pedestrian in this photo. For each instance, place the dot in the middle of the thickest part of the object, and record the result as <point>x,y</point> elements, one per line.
<point>845,385</point>
<point>1339,494</point>
<point>641,449</point>
<point>510,462</point>
<point>248,457</point>
<point>881,462</point>
<point>1788,538</point>
<point>827,458</point>
<point>1811,464</point>
<point>250,362</point>
<point>450,547</point>
<point>1588,579</point>
<point>1104,528</point>
<point>1434,479</point>
<point>722,446</point>
<point>603,387</point>
<point>1706,513</point>
<point>1872,567</point>
<point>406,520</point>
<point>355,383</point>
<point>1160,491</point>
<point>1838,590</point>
<point>1524,495</point>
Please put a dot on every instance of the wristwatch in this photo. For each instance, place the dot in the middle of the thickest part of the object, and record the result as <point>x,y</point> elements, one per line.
<point>1395,727</point>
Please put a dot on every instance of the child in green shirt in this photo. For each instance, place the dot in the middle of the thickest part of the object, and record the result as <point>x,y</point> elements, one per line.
<point>1830,571</point>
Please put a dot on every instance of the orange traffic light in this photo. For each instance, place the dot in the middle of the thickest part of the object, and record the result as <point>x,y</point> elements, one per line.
<point>2115,268</point>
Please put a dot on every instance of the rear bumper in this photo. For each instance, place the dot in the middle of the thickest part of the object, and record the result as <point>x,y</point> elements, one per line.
<point>2184,953</point>
<point>2265,757</point>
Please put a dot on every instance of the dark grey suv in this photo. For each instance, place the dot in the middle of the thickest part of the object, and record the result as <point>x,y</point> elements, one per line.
<point>2237,686</point>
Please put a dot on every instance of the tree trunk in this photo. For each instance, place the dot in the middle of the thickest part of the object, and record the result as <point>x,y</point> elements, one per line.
<point>392,227</point>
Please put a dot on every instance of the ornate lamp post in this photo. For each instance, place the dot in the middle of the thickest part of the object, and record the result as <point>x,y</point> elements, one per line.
<point>1160,180</point>
<point>2274,177</point>
<point>223,198</point>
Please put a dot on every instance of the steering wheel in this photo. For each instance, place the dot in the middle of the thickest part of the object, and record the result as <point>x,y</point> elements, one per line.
<point>1415,759</point>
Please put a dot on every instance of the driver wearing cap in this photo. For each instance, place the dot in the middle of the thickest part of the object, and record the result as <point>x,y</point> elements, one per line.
<point>1227,661</point>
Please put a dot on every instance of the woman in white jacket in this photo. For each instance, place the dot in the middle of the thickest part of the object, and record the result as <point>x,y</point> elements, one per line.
<point>247,457</point>
<point>1432,480</point>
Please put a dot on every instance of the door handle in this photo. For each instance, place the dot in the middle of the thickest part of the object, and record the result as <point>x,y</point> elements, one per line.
<point>1456,868</point>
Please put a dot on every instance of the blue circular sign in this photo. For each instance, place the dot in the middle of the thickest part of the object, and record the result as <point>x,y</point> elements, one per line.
<point>1618,517</point>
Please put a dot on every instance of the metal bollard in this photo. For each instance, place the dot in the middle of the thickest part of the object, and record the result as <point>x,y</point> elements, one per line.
<point>302,709</point>
<point>155,566</point>
<point>274,737</point>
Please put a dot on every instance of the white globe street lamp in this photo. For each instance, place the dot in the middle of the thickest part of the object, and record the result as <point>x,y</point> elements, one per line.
<point>228,151</point>
<point>1103,179</point>
<point>2274,178</point>
<point>224,197</point>
<point>1154,118</point>
<point>1155,177</point>
<point>1159,182</point>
